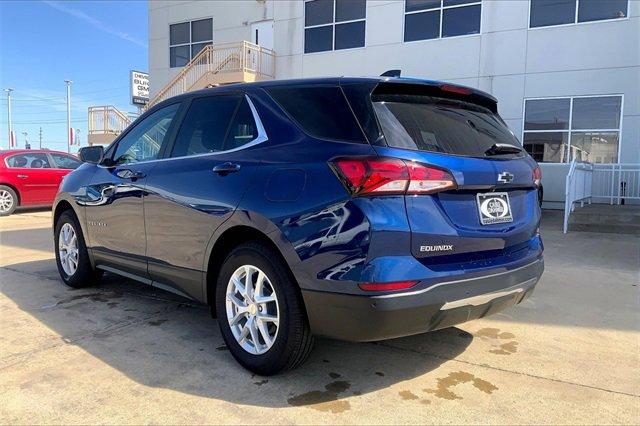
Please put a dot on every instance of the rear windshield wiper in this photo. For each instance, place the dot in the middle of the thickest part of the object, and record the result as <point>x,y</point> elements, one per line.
<point>502,148</point>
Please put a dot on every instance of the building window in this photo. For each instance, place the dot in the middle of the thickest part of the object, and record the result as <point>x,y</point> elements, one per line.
<point>333,24</point>
<point>187,39</point>
<point>545,13</point>
<point>587,128</point>
<point>429,19</point>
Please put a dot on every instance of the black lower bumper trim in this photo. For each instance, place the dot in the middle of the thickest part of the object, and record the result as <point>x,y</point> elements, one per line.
<point>371,318</point>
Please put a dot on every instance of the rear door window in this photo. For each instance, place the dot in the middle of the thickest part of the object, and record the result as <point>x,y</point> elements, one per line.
<point>432,124</point>
<point>321,111</point>
<point>29,161</point>
<point>206,125</point>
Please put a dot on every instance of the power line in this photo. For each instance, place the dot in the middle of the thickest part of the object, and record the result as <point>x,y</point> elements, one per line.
<point>48,121</point>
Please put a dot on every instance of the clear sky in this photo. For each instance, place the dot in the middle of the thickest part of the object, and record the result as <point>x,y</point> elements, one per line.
<point>43,43</point>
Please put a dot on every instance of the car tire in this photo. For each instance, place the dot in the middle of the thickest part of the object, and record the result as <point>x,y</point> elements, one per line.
<point>8,200</point>
<point>292,342</point>
<point>72,257</point>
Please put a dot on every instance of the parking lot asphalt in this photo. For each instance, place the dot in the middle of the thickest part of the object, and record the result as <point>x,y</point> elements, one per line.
<point>122,352</point>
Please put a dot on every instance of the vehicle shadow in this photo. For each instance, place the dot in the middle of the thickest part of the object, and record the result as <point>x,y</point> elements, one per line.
<point>27,239</point>
<point>160,340</point>
<point>27,210</point>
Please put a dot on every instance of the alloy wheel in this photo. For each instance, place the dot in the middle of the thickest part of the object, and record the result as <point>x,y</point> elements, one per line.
<point>68,249</point>
<point>252,309</point>
<point>6,201</point>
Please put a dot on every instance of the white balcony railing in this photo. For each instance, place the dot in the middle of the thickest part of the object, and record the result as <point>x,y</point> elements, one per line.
<point>107,120</point>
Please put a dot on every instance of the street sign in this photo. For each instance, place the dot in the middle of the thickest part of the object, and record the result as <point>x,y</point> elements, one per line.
<point>139,87</point>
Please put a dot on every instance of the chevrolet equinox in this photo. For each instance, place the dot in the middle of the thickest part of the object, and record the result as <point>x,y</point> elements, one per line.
<point>359,209</point>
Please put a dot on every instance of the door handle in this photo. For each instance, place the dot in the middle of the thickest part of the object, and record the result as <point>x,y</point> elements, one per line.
<point>130,174</point>
<point>226,168</point>
<point>23,176</point>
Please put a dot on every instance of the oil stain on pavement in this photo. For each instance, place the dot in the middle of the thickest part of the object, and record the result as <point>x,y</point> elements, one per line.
<point>326,400</point>
<point>492,334</point>
<point>443,390</point>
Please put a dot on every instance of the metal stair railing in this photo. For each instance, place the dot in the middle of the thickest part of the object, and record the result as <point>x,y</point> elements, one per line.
<point>216,59</point>
<point>578,185</point>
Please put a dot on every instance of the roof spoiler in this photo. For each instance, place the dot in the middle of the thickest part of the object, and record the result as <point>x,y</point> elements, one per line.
<point>391,73</point>
<point>437,89</point>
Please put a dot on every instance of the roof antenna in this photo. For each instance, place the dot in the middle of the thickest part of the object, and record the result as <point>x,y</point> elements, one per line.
<point>391,73</point>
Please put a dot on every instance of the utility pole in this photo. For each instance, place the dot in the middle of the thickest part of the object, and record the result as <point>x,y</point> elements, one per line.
<point>69,132</point>
<point>40,135</point>
<point>9,90</point>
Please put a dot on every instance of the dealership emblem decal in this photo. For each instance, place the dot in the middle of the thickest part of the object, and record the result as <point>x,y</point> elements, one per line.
<point>494,208</point>
<point>505,177</point>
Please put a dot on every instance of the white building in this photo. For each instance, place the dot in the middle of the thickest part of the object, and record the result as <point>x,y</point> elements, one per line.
<point>569,69</point>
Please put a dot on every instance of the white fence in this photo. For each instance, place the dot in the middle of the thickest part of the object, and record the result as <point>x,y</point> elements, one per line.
<point>615,183</point>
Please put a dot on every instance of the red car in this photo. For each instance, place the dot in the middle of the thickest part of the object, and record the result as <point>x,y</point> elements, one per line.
<point>30,177</point>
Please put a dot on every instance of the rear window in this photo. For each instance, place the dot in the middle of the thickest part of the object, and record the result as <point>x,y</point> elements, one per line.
<point>433,124</point>
<point>321,111</point>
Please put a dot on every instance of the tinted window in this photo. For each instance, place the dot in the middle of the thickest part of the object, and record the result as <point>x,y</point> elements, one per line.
<point>422,26</point>
<point>547,114</point>
<point>596,113</point>
<point>330,25</point>
<point>322,112</point>
<point>187,39</point>
<point>66,161</point>
<point>179,56</point>
<point>349,35</point>
<point>547,147</point>
<point>205,125</point>
<point>595,10</point>
<point>318,39</point>
<point>350,10</point>
<point>144,141</point>
<point>446,3</point>
<point>202,30</point>
<point>552,12</point>
<point>29,160</point>
<point>439,125</point>
<point>595,147</point>
<point>428,19</point>
<point>243,127</point>
<point>413,5</point>
<point>592,135</point>
<point>179,33</point>
<point>461,21</point>
<point>318,12</point>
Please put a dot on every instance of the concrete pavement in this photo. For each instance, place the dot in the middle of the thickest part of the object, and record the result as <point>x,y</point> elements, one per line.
<point>122,352</point>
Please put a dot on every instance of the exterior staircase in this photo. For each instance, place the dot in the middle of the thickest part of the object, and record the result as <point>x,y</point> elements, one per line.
<point>218,64</point>
<point>105,124</point>
<point>214,65</point>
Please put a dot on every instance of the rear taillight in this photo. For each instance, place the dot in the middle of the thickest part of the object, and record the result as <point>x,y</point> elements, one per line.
<point>390,176</point>
<point>537,176</point>
<point>391,286</point>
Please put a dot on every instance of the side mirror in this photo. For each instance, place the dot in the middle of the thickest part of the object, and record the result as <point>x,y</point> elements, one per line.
<point>91,154</point>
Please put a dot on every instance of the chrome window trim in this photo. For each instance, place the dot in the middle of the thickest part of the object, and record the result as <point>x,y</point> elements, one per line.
<point>262,137</point>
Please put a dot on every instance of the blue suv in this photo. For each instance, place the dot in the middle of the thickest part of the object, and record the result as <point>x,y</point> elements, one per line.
<point>355,208</point>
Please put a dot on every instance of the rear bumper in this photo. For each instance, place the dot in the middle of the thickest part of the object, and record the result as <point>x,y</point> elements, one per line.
<point>371,318</point>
